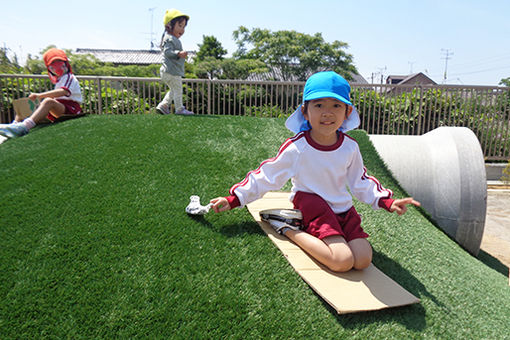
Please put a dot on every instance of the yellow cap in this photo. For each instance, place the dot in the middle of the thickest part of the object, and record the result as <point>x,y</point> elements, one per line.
<point>172,14</point>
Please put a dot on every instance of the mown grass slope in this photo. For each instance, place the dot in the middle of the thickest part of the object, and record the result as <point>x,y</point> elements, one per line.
<point>94,242</point>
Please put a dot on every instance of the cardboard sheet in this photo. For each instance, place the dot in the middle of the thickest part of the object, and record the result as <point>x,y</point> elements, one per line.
<point>354,291</point>
<point>24,107</point>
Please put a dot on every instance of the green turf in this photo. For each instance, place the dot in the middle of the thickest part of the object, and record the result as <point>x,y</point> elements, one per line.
<point>95,243</point>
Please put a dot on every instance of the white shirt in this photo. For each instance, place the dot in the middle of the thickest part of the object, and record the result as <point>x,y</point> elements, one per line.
<point>325,171</point>
<point>69,82</point>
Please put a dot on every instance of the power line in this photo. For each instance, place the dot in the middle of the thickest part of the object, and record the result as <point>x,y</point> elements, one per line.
<point>484,61</point>
<point>481,71</point>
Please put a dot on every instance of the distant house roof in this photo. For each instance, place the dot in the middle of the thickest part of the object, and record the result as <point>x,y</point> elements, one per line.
<point>124,57</point>
<point>358,79</point>
<point>411,79</point>
<point>276,74</point>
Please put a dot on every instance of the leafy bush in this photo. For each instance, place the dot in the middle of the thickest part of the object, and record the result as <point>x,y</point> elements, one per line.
<point>266,111</point>
<point>113,100</point>
<point>15,88</point>
<point>506,174</point>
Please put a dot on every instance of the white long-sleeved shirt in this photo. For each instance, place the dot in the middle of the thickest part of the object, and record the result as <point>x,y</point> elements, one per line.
<point>69,82</point>
<point>324,170</point>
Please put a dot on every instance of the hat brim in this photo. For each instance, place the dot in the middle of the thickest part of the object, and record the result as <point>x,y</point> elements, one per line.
<point>297,122</point>
<point>326,94</point>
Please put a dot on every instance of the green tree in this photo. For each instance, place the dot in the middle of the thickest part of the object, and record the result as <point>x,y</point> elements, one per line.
<point>35,64</point>
<point>7,65</point>
<point>505,82</point>
<point>208,68</point>
<point>86,64</point>
<point>210,48</point>
<point>211,64</point>
<point>242,68</point>
<point>228,68</point>
<point>292,55</point>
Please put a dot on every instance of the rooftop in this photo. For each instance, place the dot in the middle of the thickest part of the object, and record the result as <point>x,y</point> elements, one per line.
<point>124,57</point>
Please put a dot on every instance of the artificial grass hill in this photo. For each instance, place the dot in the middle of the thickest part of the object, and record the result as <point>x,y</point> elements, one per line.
<point>95,243</point>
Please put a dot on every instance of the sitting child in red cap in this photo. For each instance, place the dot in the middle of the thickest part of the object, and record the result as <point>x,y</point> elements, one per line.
<point>60,102</point>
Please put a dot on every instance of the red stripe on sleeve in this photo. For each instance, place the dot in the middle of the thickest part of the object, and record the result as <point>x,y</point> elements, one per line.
<point>284,146</point>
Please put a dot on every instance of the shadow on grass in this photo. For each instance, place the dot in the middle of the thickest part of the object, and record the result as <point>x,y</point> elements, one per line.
<point>233,230</point>
<point>403,277</point>
<point>230,230</point>
<point>200,219</point>
<point>492,262</point>
<point>412,317</point>
<point>195,116</point>
<point>484,257</point>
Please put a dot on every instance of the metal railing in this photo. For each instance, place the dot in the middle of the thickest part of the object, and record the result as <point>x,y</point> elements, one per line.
<point>384,109</point>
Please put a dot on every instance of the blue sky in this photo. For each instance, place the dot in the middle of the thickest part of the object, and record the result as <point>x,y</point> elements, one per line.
<point>390,37</point>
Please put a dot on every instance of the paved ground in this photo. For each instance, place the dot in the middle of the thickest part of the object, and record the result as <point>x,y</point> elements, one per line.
<point>496,236</point>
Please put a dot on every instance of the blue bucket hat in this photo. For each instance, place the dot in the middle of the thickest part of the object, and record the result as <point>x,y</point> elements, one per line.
<point>327,84</point>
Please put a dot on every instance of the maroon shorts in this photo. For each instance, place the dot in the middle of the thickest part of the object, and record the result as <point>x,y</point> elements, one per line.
<point>72,108</point>
<point>321,221</point>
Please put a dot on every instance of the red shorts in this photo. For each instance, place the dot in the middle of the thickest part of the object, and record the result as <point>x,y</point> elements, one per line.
<point>72,108</point>
<point>321,221</point>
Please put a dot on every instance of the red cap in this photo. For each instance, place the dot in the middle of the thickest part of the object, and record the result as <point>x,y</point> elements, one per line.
<point>54,54</point>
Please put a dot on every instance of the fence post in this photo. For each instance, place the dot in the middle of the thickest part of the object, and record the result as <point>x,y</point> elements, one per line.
<point>99,97</point>
<point>209,96</point>
<point>420,107</point>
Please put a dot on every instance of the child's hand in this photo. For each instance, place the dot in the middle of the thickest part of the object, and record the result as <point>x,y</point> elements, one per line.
<point>400,205</point>
<point>33,96</point>
<point>220,204</point>
<point>182,54</point>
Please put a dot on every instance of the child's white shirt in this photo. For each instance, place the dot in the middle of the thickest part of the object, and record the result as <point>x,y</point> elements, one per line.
<point>69,82</point>
<point>325,171</point>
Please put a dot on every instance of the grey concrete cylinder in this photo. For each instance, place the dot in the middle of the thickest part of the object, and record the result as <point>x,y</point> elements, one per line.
<point>444,169</point>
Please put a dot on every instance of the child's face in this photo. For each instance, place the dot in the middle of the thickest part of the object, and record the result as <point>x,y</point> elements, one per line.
<point>56,70</point>
<point>179,28</point>
<point>326,115</point>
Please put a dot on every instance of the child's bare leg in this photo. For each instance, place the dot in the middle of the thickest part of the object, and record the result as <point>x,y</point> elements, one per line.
<point>333,251</point>
<point>362,252</point>
<point>48,105</point>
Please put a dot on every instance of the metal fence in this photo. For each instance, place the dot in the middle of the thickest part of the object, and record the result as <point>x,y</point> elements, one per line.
<point>384,109</point>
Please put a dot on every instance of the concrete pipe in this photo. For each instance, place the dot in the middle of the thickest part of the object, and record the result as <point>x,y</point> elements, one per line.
<point>444,169</point>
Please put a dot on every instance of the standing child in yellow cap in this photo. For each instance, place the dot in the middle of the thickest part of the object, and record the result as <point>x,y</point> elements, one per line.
<point>172,69</point>
<point>63,101</point>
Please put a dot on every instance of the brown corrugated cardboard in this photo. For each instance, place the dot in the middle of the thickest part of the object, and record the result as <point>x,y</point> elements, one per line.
<point>354,291</point>
<point>24,107</point>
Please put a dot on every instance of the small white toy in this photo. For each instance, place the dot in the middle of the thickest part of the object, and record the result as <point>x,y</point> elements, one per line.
<point>195,208</point>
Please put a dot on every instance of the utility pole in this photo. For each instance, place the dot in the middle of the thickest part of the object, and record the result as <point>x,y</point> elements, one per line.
<point>152,31</point>
<point>381,70</point>
<point>447,54</point>
<point>411,66</point>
